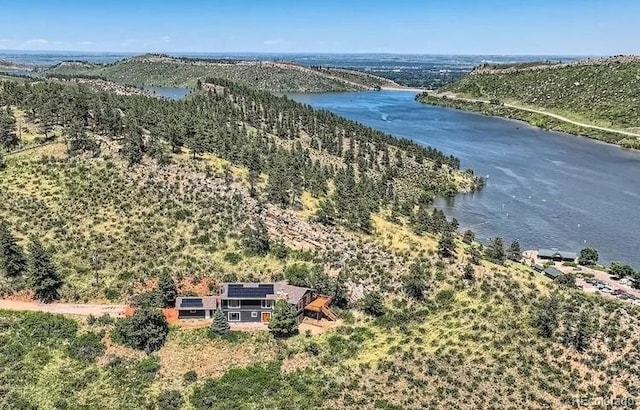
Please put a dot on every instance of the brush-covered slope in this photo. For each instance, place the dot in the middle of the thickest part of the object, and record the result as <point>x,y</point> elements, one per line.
<point>604,93</point>
<point>162,70</point>
<point>240,198</point>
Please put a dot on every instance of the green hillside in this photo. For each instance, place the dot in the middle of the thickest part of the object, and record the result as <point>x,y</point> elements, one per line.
<point>602,93</point>
<point>162,70</point>
<point>237,184</point>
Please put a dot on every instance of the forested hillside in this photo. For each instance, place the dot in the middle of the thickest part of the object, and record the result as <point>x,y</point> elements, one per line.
<point>603,93</point>
<point>164,70</point>
<point>113,196</point>
<point>284,151</point>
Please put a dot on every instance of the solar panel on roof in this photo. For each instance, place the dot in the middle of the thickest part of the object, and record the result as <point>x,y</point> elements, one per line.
<point>238,290</point>
<point>191,302</point>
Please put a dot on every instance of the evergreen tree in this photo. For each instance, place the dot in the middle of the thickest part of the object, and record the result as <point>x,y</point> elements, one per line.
<point>469,272</point>
<point>468,237</point>
<point>475,253</point>
<point>14,261</point>
<point>495,251</point>
<point>46,280</point>
<point>547,318</point>
<point>373,304</point>
<point>220,325</point>
<point>3,161</point>
<point>415,288</point>
<point>78,141</point>
<point>133,146</point>
<point>283,322</point>
<point>515,253</point>
<point>7,128</point>
<point>579,333</point>
<point>167,291</point>
<point>326,213</point>
<point>256,238</point>
<point>446,245</point>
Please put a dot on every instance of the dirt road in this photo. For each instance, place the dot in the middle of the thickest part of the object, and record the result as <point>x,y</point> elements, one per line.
<point>541,112</point>
<point>64,308</point>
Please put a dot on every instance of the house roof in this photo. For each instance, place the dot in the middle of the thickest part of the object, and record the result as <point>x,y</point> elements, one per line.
<point>552,272</point>
<point>553,253</point>
<point>197,303</point>
<point>253,291</point>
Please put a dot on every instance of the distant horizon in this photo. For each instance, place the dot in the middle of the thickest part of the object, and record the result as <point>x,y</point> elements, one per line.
<point>405,27</point>
<point>17,51</point>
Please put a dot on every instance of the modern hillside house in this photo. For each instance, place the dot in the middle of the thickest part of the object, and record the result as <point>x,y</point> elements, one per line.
<point>254,302</point>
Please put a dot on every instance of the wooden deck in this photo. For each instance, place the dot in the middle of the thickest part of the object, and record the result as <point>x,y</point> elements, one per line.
<point>317,304</point>
<point>320,306</point>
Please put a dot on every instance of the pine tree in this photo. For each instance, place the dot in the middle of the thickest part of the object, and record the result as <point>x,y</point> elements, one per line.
<point>547,318</point>
<point>7,128</point>
<point>167,290</point>
<point>495,250</point>
<point>582,335</point>
<point>256,238</point>
<point>469,272</point>
<point>446,245</point>
<point>14,261</point>
<point>45,279</point>
<point>373,304</point>
<point>283,322</point>
<point>468,237</point>
<point>133,146</point>
<point>220,325</point>
<point>515,253</point>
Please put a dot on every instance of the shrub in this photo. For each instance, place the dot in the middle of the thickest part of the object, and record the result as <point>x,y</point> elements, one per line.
<point>588,256</point>
<point>169,400</point>
<point>86,347</point>
<point>189,377</point>
<point>47,329</point>
<point>232,257</point>
<point>146,330</point>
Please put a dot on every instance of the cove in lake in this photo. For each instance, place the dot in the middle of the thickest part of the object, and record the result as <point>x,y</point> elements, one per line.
<point>546,189</point>
<point>171,93</point>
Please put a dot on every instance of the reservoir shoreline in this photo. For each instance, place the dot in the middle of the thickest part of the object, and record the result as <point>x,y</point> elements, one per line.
<point>547,189</point>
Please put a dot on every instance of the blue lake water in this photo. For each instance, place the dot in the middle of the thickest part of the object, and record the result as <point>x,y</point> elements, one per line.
<point>172,93</point>
<point>546,189</point>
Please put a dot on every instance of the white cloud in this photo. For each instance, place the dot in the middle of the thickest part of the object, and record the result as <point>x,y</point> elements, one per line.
<point>86,43</point>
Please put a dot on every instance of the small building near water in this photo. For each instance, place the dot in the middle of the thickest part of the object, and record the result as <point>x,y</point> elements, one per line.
<point>552,273</point>
<point>556,255</point>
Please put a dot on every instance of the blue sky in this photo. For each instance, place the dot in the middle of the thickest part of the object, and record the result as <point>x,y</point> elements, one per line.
<point>562,27</point>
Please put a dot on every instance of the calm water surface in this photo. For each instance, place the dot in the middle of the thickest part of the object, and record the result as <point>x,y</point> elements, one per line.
<point>172,93</point>
<point>544,188</point>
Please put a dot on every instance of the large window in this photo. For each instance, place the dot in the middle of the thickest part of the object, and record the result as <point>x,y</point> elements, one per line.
<point>267,304</point>
<point>233,303</point>
<point>234,316</point>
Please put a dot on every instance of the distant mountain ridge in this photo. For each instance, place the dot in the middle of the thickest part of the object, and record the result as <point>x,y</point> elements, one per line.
<point>275,76</point>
